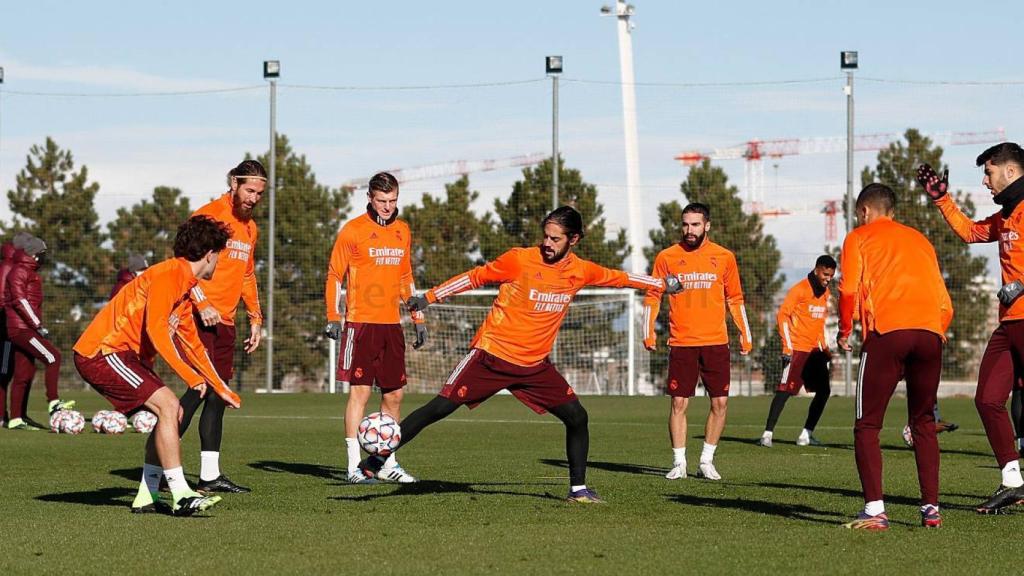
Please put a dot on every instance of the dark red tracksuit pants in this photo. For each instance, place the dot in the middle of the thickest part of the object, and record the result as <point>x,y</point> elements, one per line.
<point>1000,365</point>
<point>884,360</point>
<point>29,346</point>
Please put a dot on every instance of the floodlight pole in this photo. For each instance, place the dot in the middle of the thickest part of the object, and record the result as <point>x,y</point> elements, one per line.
<point>271,71</point>
<point>848,62</point>
<point>553,67</point>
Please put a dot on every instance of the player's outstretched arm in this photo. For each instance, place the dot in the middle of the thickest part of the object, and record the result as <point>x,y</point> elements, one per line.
<point>937,188</point>
<point>197,357</point>
<point>504,268</point>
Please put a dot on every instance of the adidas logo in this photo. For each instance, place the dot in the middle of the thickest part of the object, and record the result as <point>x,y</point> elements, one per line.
<point>538,276</point>
<point>373,236</point>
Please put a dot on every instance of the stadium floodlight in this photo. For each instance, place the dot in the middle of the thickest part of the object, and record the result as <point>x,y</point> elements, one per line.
<point>848,60</point>
<point>553,64</point>
<point>271,68</point>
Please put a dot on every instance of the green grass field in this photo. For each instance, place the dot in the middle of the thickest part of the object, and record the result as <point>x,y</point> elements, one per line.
<point>491,498</point>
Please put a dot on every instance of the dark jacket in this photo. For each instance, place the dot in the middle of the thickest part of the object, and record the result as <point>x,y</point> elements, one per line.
<point>24,294</point>
<point>124,276</point>
<point>7,250</point>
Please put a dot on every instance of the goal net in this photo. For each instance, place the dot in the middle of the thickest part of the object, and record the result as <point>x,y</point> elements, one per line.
<point>599,348</point>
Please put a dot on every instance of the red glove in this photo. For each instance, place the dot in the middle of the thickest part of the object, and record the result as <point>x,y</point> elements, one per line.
<point>934,186</point>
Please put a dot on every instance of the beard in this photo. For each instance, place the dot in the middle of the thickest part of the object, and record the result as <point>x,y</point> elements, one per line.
<point>551,256</point>
<point>241,211</point>
<point>693,240</point>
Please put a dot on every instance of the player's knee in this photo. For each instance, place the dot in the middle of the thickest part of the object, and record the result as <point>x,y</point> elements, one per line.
<point>986,405</point>
<point>719,405</point>
<point>573,415</point>
<point>679,404</point>
<point>164,404</point>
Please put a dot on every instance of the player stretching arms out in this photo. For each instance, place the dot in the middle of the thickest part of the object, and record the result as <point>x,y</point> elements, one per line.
<point>891,275</point>
<point>510,350</point>
<point>373,251</point>
<point>1000,365</point>
<point>801,322</point>
<point>698,340</point>
<point>115,356</point>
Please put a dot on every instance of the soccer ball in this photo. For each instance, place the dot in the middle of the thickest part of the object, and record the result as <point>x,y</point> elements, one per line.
<point>109,422</point>
<point>67,422</point>
<point>908,437</point>
<point>144,421</point>
<point>379,434</point>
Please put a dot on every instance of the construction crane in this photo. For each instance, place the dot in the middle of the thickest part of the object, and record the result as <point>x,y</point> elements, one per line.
<point>454,168</point>
<point>753,151</point>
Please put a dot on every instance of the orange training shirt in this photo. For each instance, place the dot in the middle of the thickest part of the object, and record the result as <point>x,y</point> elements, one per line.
<point>377,260</point>
<point>533,299</point>
<point>891,272</point>
<point>801,319</point>
<point>711,282</point>
<point>138,319</point>
<point>1009,232</point>
<point>235,277</point>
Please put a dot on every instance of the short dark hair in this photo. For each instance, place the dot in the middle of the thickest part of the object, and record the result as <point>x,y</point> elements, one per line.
<point>825,261</point>
<point>248,169</point>
<point>1002,153</point>
<point>568,218</point>
<point>878,196</point>
<point>698,208</point>
<point>383,182</point>
<point>199,235</point>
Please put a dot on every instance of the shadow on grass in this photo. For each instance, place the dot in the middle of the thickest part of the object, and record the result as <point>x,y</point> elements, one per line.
<point>300,468</point>
<point>445,487</point>
<point>115,497</point>
<point>611,467</point>
<point>790,511</point>
<point>859,496</point>
<point>754,442</point>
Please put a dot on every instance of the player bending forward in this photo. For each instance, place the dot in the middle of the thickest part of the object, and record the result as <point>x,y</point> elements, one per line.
<point>115,356</point>
<point>511,348</point>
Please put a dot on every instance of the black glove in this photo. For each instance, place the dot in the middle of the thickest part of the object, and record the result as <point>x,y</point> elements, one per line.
<point>1009,293</point>
<point>421,336</point>
<point>417,303</point>
<point>786,359</point>
<point>673,285</point>
<point>333,330</point>
<point>934,186</point>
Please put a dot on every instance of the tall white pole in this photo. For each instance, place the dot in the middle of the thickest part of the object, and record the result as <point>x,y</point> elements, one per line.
<point>849,198</point>
<point>554,142</point>
<point>272,237</point>
<point>623,12</point>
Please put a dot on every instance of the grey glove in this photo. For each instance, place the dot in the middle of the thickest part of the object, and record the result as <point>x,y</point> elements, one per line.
<point>333,330</point>
<point>786,359</point>
<point>417,303</point>
<point>673,285</point>
<point>43,332</point>
<point>421,336</point>
<point>1010,292</point>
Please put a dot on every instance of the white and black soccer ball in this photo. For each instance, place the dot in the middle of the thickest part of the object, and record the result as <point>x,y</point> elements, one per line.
<point>379,434</point>
<point>144,421</point>
<point>908,436</point>
<point>67,422</point>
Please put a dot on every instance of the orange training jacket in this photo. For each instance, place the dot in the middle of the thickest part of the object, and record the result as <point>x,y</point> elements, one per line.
<point>533,299</point>
<point>235,277</point>
<point>801,319</point>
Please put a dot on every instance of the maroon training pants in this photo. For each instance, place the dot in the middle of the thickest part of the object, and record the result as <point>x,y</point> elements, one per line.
<point>1000,365</point>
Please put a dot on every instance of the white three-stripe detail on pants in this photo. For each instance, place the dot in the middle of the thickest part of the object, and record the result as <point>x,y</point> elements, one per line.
<point>860,385</point>
<point>462,365</point>
<point>42,350</point>
<point>127,375</point>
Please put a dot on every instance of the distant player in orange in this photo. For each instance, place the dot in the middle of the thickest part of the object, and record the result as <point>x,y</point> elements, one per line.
<point>891,276</point>
<point>1002,364</point>
<point>698,340</point>
<point>373,251</point>
<point>805,354</point>
<point>510,350</point>
<point>150,316</point>
<point>216,300</point>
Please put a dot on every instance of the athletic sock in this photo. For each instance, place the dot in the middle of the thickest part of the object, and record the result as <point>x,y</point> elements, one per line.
<point>707,455</point>
<point>176,482</point>
<point>678,456</point>
<point>209,465</point>
<point>768,434</point>
<point>352,446</point>
<point>805,434</point>
<point>391,462</point>
<point>577,487</point>
<point>1011,475</point>
<point>1020,443</point>
<point>151,474</point>
<point>874,508</point>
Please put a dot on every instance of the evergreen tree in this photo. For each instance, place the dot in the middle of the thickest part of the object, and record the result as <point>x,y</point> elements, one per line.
<point>54,201</point>
<point>519,217</point>
<point>308,218</point>
<point>757,255</point>
<point>896,167</point>
<point>148,227</point>
<point>445,234</point>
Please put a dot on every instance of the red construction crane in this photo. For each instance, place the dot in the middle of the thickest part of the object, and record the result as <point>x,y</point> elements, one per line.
<point>754,151</point>
<point>830,210</point>
<point>454,168</point>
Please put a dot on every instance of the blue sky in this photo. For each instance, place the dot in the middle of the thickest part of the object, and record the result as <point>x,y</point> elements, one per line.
<point>132,144</point>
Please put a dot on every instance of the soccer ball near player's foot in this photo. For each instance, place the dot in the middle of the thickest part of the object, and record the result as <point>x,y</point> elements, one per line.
<point>379,434</point>
<point>144,421</point>
<point>67,422</point>
<point>109,422</point>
